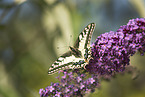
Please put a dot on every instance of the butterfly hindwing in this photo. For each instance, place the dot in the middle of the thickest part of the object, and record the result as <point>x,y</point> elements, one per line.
<point>75,58</point>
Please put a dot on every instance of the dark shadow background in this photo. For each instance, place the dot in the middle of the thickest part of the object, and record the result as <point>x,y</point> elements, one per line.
<point>33,33</point>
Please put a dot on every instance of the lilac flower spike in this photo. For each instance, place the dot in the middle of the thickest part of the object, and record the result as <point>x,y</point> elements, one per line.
<point>74,84</point>
<point>111,51</point>
<point>110,54</point>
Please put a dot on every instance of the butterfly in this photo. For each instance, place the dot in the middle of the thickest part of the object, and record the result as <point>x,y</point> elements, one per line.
<point>78,55</point>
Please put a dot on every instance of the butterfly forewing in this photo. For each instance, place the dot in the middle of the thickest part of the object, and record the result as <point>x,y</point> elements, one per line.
<point>69,59</point>
<point>83,41</point>
<point>68,62</point>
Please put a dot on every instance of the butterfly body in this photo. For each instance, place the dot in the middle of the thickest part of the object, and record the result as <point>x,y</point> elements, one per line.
<point>78,55</point>
<point>75,52</point>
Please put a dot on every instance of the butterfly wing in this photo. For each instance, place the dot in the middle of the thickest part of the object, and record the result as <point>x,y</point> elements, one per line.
<point>83,41</point>
<point>66,61</point>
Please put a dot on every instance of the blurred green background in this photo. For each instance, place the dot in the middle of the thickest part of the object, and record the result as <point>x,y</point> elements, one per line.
<point>33,33</point>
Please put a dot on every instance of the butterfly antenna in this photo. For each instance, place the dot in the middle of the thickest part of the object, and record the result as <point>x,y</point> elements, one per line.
<point>61,47</point>
<point>70,40</point>
<point>68,44</point>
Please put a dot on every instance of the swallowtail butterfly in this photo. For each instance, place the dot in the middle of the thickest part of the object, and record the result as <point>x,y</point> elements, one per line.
<point>78,55</point>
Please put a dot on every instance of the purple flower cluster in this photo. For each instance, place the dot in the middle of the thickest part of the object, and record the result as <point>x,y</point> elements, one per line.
<point>72,84</point>
<point>110,54</point>
<point>111,51</point>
